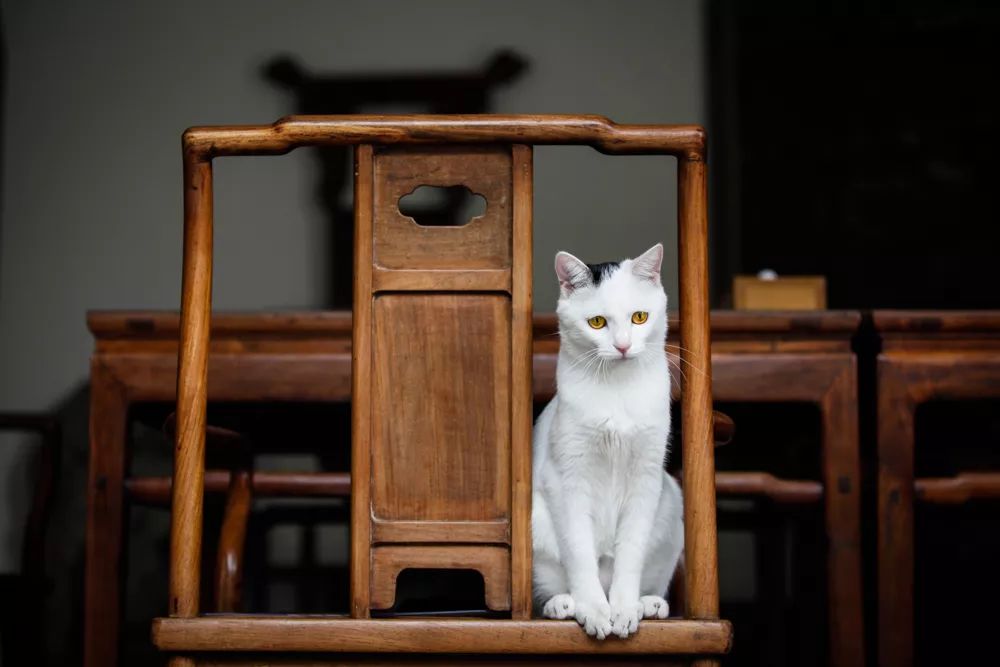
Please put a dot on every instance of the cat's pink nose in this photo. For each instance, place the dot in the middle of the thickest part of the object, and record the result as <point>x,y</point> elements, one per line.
<point>623,348</point>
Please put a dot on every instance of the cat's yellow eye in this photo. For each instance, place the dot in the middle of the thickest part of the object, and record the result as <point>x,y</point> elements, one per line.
<point>640,317</point>
<point>597,322</point>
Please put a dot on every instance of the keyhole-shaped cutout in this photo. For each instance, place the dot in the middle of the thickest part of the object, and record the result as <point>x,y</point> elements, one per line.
<point>442,206</point>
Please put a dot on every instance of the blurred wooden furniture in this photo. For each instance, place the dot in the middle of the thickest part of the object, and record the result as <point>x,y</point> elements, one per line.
<point>779,293</point>
<point>756,356</point>
<point>23,594</point>
<point>186,635</point>
<point>254,359</point>
<point>926,356</point>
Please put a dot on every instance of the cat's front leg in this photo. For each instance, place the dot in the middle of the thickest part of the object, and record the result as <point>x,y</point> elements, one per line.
<point>576,536</point>
<point>631,540</point>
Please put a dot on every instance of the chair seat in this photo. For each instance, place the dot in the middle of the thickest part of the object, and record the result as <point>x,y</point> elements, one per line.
<point>341,634</point>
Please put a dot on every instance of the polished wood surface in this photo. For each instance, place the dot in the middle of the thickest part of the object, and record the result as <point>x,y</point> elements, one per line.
<point>522,398</point>
<point>440,304</point>
<point>192,396</point>
<point>766,485</point>
<point>236,330</point>
<point>361,385</point>
<point>980,324</point>
<point>448,461</point>
<point>492,561</point>
<point>958,489</point>
<point>157,490</point>
<point>305,633</point>
<point>701,584</point>
<point>312,659</point>
<point>232,539</point>
<point>109,404</point>
<point>683,141</point>
<point>926,356</point>
<point>482,244</point>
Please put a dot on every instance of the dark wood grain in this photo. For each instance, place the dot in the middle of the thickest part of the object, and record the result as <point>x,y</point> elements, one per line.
<point>959,489</point>
<point>192,399</point>
<point>890,322</point>
<point>700,535</point>
<point>491,561</point>
<point>483,244</point>
<point>926,356</point>
<point>361,385</point>
<point>441,453</point>
<point>291,633</point>
<point>296,131</point>
<point>521,399</point>
<point>232,538</point>
<point>766,485</point>
<point>157,490</point>
<point>147,325</point>
<point>105,514</point>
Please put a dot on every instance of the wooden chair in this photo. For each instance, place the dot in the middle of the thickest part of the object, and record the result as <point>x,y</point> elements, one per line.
<point>472,281</point>
<point>23,594</point>
<point>240,484</point>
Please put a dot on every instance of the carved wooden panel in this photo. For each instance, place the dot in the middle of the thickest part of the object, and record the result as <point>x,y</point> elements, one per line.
<point>484,243</point>
<point>441,384</point>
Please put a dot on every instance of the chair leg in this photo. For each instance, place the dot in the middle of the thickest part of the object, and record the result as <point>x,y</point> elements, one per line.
<point>232,539</point>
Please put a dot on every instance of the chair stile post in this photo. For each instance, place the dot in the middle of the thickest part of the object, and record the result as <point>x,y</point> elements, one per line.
<point>521,403</point>
<point>701,559</point>
<point>192,384</point>
<point>360,381</point>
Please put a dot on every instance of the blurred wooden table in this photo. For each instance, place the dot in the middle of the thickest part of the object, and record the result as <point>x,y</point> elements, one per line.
<point>926,356</point>
<point>289,357</point>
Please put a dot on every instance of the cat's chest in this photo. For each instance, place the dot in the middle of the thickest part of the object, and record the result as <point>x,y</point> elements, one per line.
<point>617,416</point>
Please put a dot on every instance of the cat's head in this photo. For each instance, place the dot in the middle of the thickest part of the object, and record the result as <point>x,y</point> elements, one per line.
<point>615,311</point>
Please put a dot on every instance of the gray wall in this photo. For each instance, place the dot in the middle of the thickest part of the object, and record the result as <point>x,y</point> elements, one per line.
<point>98,94</point>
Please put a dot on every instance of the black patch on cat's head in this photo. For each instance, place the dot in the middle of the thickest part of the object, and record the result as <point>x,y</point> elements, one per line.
<point>601,271</point>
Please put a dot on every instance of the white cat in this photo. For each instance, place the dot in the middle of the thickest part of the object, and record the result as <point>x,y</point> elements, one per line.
<point>607,521</point>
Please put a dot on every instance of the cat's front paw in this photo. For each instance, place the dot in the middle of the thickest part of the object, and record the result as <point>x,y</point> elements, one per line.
<point>559,607</point>
<point>625,618</point>
<point>594,617</point>
<point>653,606</point>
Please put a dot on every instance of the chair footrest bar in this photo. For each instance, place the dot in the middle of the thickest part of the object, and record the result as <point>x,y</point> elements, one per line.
<point>959,489</point>
<point>767,485</point>
<point>156,490</point>
<point>251,633</point>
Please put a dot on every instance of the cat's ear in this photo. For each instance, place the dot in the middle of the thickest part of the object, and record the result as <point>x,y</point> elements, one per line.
<point>647,265</point>
<point>572,273</point>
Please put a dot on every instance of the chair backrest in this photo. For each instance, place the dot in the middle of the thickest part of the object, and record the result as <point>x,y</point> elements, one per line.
<point>479,260</point>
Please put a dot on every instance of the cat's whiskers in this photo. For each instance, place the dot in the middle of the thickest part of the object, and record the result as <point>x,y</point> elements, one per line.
<point>680,357</point>
<point>677,366</point>
<point>589,354</point>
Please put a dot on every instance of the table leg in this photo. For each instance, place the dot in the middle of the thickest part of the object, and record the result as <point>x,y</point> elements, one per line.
<point>102,593</point>
<point>842,497</point>
<point>895,516</point>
